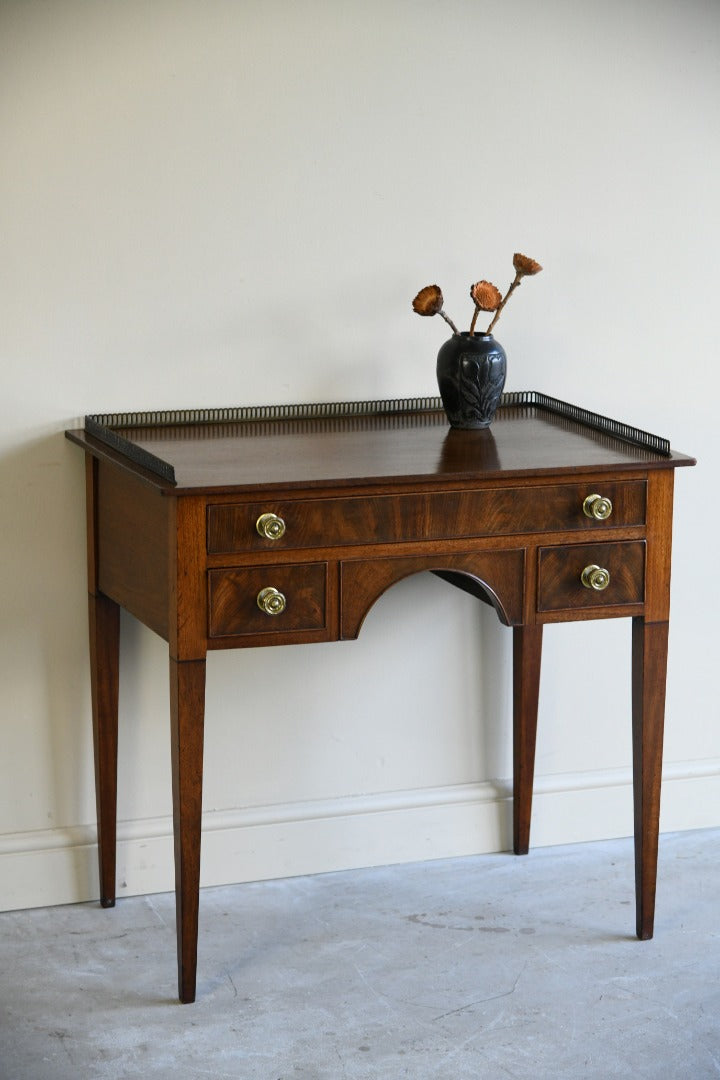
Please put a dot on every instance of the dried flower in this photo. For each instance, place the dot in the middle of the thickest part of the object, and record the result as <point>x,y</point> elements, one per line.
<point>429,301</point>
<point>486,295</point>
<point>525,266</point>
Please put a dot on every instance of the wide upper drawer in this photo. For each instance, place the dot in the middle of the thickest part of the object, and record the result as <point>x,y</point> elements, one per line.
<point>286,524</point>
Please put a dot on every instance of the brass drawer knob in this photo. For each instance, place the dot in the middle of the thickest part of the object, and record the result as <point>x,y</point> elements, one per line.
<point>270,526</point>
<point>595,577</point>
<point>271,601</point>
<point>598,507</point>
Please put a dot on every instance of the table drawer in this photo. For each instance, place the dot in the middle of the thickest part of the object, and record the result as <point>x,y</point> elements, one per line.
<point>262,599</point>
<point>425,516</point>
<point>591,575</point>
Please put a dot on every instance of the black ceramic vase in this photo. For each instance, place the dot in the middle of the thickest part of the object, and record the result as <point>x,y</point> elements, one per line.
<point>471,371</point>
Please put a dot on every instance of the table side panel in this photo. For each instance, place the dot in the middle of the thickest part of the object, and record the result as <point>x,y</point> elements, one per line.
<point>659,544</point>
<point>91,484</point>
<point>132,545</point>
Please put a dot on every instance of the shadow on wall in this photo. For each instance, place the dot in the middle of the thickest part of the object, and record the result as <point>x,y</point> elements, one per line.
<point>43,637</point>
<point>497,711</point>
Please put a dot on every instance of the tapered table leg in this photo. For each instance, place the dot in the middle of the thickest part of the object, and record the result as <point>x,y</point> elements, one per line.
<point>104,624</point>
<point>527,654</point>
<point>187,709</point>
<point>649,667</point>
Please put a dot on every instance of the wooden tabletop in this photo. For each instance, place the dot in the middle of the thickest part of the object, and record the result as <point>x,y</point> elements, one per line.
<point>372,449</point>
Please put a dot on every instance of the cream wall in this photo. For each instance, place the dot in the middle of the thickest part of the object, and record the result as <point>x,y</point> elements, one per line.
<point>210,203</point>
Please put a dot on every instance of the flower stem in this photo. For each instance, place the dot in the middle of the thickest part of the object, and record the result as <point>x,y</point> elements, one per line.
<point>476,312</point>
<point>504,301</point>
<point>449,321</point>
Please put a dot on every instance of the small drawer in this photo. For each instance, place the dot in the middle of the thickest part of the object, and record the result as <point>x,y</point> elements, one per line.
<point>267,599</point>
<point>285,524</point>
<point>591,575</point>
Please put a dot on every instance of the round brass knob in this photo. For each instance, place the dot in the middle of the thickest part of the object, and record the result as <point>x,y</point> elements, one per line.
<point>271,601</point>
<point>270,526</point>
<point>595,577</point>
<point>598,507</point>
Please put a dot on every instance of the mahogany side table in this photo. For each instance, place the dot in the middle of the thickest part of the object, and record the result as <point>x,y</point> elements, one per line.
<point>236,528</point>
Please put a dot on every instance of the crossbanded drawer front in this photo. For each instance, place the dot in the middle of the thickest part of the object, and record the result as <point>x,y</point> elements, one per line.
<point>267,599</point>
<point>576,576</point>
<point>286,524</point>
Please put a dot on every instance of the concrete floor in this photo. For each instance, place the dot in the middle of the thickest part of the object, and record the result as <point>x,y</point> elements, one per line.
<point>487,967</point>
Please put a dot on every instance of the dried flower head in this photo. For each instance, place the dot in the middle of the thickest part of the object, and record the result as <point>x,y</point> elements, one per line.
<point>429,301</point>
<point>525,266</point>
<point>486,296</point>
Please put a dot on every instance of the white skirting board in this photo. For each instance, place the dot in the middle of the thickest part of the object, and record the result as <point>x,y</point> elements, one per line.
<point>59,866</point>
